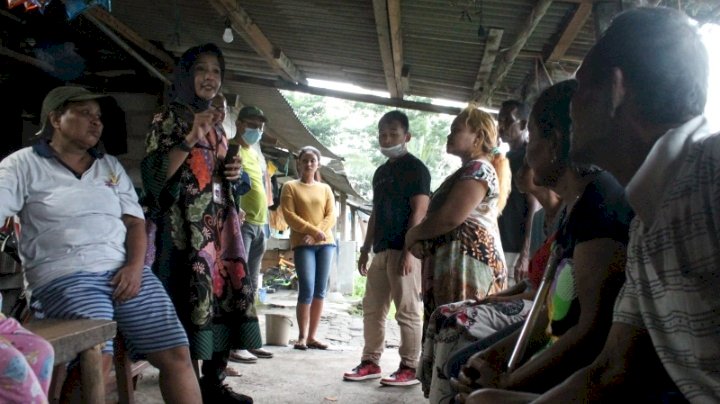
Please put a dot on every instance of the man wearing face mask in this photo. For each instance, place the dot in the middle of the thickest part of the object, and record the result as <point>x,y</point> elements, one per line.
<point>401,189</point>
<point>253,206</point>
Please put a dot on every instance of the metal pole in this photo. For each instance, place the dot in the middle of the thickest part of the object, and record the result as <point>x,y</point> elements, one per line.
<point>126,47</point>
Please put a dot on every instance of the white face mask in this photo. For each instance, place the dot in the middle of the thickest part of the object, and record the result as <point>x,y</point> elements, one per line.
<point>394,152</point>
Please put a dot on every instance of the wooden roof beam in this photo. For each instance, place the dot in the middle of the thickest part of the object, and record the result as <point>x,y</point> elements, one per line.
<point>571,32</point>
<point>393,10</point>
<point>244,25</point>
<point>382,25</point>
<point>508,58</point>
<point>492,45</point>
<point>40,64</point>
<point>96,14</point>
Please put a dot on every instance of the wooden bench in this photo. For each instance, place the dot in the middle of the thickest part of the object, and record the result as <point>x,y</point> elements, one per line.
<point>85,337</point>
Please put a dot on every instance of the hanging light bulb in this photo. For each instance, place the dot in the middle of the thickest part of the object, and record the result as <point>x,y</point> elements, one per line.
<point>228,34</point>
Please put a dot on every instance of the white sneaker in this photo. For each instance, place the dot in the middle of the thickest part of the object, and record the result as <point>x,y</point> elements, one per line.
<point>242,355</point>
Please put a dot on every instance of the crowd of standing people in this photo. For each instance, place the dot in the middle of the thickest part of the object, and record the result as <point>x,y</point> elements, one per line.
<point>608,194</point>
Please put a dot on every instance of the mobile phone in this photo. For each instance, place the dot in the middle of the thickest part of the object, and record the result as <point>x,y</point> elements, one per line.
<point>232,151</point>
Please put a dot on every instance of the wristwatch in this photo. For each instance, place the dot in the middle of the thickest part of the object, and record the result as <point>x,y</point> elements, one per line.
<point>365,249</point>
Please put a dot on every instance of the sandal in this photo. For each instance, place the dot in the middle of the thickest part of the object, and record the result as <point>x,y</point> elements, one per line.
<point>316,345</point>
<point>230,372</point>
<point>300,346</point>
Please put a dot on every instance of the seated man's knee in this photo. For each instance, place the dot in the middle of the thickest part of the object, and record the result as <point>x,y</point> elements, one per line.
<point>170,359</point>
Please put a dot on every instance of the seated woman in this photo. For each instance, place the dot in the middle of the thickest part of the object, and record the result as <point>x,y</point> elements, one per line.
<point>83,239</point>
<point>592,239</point>
<point>26,364</point>
<point>455,326</point>
<point>458,240</point>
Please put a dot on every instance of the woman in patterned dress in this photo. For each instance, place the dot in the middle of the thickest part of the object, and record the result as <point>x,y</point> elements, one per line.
<point>459,240</point>
<point>196,248</point>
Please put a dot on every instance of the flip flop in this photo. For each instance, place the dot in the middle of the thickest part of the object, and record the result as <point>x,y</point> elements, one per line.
<point>300,346</point>
<point>230,372</point>
<point>261,353</point>
<point>316,345</point>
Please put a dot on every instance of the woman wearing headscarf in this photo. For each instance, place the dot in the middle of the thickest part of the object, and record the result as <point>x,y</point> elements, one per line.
<point>195,244</point>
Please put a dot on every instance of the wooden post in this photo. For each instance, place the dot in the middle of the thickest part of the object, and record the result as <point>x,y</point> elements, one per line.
<point>343,217</point>
<point>353,219</point>
<point>93,385</point>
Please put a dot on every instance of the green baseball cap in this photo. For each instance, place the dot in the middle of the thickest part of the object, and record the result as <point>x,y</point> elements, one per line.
<point>59,96</point>
<point>251,112</point>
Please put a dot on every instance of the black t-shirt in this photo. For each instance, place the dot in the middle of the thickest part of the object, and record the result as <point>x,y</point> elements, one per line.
<point>602,211</point>
<point>394,184</point>
<point>512,220</point>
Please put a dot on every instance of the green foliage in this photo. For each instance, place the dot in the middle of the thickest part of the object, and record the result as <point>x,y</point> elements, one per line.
<point>350,130</point>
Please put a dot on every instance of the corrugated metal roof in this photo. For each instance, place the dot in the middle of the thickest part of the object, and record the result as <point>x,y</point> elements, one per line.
<point>338,39</point>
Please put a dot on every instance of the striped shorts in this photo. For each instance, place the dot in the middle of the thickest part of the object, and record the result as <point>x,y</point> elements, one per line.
<point>148,321</point>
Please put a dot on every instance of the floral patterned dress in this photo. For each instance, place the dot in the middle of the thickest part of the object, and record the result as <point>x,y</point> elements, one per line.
<point>195,244</point>
<point>467,262</point>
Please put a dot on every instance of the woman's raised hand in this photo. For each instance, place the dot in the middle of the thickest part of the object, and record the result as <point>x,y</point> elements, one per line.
<point>203,122</point>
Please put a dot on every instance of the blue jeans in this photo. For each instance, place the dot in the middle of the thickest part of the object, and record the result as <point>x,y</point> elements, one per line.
<point>312,264</point>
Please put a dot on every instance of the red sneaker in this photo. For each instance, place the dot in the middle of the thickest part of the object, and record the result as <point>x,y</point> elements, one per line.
<point>364,371</point>
<point>404,376</point>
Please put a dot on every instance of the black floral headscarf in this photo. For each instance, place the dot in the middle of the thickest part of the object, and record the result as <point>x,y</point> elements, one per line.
<point>183,87</point>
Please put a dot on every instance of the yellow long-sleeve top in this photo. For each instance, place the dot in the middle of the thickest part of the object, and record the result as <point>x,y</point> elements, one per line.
<point>308,209</point>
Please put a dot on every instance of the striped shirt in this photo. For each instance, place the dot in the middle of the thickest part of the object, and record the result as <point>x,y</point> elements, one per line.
<point>673,268</point>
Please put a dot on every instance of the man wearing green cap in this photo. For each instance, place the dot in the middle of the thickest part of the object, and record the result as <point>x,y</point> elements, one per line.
<point>83,242</point>
<point>253,205</point>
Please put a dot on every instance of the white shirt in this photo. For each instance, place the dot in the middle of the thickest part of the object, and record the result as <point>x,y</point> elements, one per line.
<point>70,224</point>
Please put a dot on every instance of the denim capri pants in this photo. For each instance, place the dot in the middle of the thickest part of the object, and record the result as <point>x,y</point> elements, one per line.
<point>312,264</point>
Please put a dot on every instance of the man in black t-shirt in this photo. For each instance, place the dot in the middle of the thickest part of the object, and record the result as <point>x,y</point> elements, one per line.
<point>516,219</point>
<point>401,189</point>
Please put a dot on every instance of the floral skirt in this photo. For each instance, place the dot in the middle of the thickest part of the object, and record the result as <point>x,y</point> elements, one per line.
<point>454,326</point>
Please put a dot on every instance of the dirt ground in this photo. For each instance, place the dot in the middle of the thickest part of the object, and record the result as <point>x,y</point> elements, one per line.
<point>311,376</point>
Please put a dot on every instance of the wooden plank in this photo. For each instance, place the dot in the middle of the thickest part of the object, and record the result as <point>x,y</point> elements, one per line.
<point>373,99</point>
<point>508,58</point>
<point>394,19</point>
<point>382,27</point>
<point>100,14</point>
<point>492,45</point>
<point>244,25</point>
<point>70,337</point>
<point>571,31</point>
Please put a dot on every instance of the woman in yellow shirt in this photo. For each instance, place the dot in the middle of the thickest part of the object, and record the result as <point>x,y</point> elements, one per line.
<point>309,208</point>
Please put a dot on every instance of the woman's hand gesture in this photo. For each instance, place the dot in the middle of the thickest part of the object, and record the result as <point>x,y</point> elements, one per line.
<point>203,122</point>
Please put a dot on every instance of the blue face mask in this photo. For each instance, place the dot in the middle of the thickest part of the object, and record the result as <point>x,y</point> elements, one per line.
<point>251,136</point>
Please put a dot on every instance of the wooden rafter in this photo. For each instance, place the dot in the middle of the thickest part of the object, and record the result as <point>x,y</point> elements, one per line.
<point>99,14</point>
<point>393,10</point>
<point>571,31</point>
<point>382,26</point>
<point>508,58</point>
<point>127,48</point>
<point>40,64</point>
<point>251,33</point>
<point>492,45</point>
